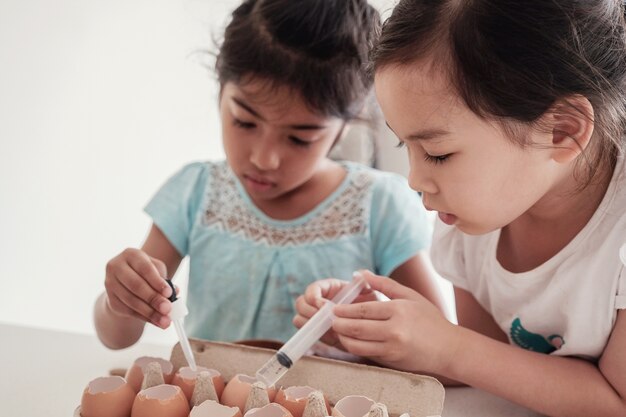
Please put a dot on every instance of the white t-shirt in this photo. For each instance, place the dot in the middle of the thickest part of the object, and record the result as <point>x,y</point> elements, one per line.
<point>566,306</point>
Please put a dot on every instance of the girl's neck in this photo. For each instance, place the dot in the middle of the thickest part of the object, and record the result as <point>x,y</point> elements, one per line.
<point>551,224</point>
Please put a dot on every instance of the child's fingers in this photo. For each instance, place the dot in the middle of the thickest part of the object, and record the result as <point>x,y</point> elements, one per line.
<point>304,309</point>
<point>127,304</point>
<point>135,303</point>
<point>389,287</point>
<point>162,270</point>
<point>370,310</point>
<point>325,288</point>
<point>366,348</point>
<point>370,330</point>
<point>138,295</point>
<point>148,270</point>
<point>298,320</point>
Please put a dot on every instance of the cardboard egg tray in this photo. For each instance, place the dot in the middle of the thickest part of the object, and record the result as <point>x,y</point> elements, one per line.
<point>401,392</point>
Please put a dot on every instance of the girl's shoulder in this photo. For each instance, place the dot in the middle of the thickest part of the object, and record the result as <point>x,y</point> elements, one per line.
<point>390,197</point>
<point>203,168</point>
<point>199,173</point>
<point>191,182</point>
<point>382,183</point>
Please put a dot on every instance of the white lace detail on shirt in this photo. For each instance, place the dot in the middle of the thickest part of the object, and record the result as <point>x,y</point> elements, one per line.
<point>346,215</point>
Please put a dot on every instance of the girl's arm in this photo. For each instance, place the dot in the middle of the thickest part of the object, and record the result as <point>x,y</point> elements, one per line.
<point>552,385</point>
<point>410,334</point>
<point>418,273</point>
<point>472,315</point>
<point>136,291</point>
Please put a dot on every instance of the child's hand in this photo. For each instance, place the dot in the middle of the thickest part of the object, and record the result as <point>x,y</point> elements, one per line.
<point>135,287</point>
<point>316,295</point>
<point>407,332</point>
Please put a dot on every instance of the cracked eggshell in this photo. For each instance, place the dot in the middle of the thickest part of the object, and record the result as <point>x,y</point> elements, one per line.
<point>161,401</point>
<point>237,390</point>
<point>134,374</point>
<point>270,410</point>
<point>185,378</point>
<point>353,406</point>
<point>295,398</point>
<point>109,396</point>
<point>214,409</point>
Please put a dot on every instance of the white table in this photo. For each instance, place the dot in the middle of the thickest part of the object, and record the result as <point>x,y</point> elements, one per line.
<point>44,373</point>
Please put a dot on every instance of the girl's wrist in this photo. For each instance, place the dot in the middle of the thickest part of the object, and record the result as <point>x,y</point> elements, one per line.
<point>450,355</point>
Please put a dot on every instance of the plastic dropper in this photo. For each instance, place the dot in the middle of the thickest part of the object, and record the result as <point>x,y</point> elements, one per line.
<point>310,333</point>
<point>177,315</point>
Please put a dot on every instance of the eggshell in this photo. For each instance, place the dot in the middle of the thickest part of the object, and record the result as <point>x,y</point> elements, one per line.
<point>214,409</point>
<point>237,390</point>
<point>295,399</point>
<point>353,406</point>
<point>109,396</point>
<point>185,378</point>
<point>134,374</point>
<point>270,410</point>
<point>161,401</point>
<point>378,410</point>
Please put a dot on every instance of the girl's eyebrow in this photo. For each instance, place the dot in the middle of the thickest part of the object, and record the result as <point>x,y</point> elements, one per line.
<point>426,134</point>
<point>250,110</point>
<point>247,108</point>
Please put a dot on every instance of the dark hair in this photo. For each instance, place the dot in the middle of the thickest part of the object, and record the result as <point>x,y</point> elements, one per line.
<point>510,61</point>
<point>319,48</point>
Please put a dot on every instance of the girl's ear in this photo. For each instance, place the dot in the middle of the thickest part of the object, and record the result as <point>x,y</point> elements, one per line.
<point>571,126</point>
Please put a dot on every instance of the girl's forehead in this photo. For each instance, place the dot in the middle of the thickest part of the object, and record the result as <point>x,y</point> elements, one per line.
<point>272,99</point>
<point>415,100</point>
<point>418,89</point>
<point>418,77</point>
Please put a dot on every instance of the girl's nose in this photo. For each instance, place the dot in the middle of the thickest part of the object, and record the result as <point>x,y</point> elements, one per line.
<point>420,180</point>
<point>265,156</point>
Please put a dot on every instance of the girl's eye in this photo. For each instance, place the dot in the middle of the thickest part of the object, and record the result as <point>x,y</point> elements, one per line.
<point>400,144</point>
<point>299,142</point>
<point>436,159</point>
<point>242,124</point>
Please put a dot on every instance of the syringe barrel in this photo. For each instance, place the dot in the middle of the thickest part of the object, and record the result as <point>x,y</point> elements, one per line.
<point>312,330</point>
<point>321,321</point>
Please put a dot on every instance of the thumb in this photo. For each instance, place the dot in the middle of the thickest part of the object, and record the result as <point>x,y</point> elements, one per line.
<point>160,266</point>
<point>388,286</point>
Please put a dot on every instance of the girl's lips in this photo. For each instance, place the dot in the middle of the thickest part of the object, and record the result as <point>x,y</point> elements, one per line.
<point>257,183</point>
<point>447,218</point>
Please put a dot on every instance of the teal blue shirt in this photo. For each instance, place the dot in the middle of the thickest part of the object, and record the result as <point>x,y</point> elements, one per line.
<point>247,269</point>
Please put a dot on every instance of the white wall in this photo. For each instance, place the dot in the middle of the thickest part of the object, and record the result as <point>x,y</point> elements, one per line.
<point>99,103</point>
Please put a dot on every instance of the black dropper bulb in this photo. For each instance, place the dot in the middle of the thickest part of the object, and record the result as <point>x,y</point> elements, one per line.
<point>172,297</point>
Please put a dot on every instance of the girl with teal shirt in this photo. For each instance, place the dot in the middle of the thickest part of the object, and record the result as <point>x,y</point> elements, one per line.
<point>278,214</point>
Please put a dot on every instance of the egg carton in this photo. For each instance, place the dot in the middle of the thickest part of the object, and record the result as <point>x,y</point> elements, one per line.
<point>403,393</point>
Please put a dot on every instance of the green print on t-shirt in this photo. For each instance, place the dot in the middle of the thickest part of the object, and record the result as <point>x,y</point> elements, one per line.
<point>532,341</point>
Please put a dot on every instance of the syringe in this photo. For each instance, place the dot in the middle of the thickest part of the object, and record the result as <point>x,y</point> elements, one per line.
<point>310,333</point>
<point>177,315</point>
